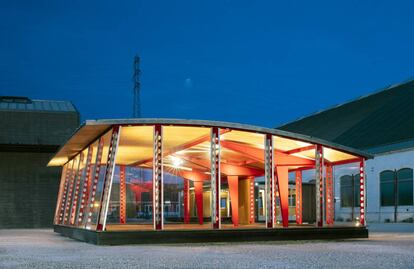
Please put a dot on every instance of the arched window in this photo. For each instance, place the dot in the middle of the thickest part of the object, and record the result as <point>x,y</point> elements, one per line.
<point>387,188</point>
<point>349,190</point>
<point>405,186</point>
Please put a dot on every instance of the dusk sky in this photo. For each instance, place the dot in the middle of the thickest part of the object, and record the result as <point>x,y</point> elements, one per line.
<point>256,62</point>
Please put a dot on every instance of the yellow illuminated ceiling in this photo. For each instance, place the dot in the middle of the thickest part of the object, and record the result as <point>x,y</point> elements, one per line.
<point>192,145</point>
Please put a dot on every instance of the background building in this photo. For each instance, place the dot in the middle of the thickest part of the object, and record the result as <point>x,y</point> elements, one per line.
<point>382,124</point>
<point>31,132</point>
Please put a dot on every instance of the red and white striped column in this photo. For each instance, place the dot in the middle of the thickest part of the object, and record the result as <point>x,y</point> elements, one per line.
<point>157,181</point>
<point>109,174</point>
<point>298,190</point>
<point>319,184</point>
<point>94,185</point>
<point>215,177</point>
<point>62,203</point>
<point>76,192</point>
<point>122,195</point>
<point>329,195</point>
<point>86,187</point>
<point>251,200</point>
<point>270,181</point>
<point>362,192</point>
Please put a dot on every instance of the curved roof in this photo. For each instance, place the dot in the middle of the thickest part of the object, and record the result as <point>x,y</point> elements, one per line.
<point>90,130</point>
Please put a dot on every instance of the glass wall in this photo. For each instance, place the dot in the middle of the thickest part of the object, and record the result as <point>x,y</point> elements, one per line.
<point>242,169</point>
<point>86,184</point>
<point>130,205</point>
<point>186,167</point>
<point>95,193</point>
<point>62,193</point>
<point>71,190</point>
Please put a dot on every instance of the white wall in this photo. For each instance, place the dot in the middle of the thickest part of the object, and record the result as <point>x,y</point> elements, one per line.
<point>376,213</point>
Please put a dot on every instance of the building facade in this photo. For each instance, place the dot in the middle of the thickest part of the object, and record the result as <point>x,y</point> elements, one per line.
<point>30,134</point>
<point>382,124</point>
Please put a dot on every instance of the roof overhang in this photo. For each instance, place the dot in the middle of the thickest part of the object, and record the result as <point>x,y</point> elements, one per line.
<point>90,130</point>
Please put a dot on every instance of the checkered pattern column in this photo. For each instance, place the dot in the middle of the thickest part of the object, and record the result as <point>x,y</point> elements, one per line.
<point>62,201</point>
<point>76,192</point>
<point>298,185</point>
<point>70,191</point>
<point>270,182</point>
<point>215,178</point>
<point>329,195</point>
<point>186,201</point>
<point>158,195</point>
<point>122,195</point>
<point>94,184</point>
<point>362,192</point>
<point>319,184</point>
<point>109,175</point>
<point>86,186</point>
<point>251,200</point>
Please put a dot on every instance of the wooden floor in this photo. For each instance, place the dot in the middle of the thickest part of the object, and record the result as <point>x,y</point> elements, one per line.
<point>192,226</point>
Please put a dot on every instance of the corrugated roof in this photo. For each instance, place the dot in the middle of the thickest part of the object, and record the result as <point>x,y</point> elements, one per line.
<point>373,121</point>
<point>26,104</point>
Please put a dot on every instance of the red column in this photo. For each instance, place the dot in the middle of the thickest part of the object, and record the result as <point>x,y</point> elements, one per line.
<point>329,204</point>
<point>186,201</point>
<point>298,208</point>
<point>283,187</point>
<point>319,184</point>
<point>198,189</point>
<point>362,192</point>
<point>122,195</point>
<point>251,200</point>
<point>234,198</point>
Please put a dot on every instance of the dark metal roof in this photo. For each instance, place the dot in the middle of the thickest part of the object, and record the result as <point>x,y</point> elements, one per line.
<point>15,103</point>
<point>372,123</point>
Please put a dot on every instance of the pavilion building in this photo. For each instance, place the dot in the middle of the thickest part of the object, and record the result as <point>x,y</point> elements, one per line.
<point>139,180</point>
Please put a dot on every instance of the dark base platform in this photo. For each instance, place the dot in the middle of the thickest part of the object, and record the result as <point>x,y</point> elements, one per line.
<point>199,236</point>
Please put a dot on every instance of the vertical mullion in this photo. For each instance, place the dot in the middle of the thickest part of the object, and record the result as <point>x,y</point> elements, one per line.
<point>215,177</point>
<point>298,181</point>
<point>94,184</point>
<point>62,205</point>
<point>76,191</point>
<point>60,195</point>
<point>269,181</point>
<point>319,184</point>
<point>109,174</point>
<point>70,190</point>
<point>85,188</point>
<point>157,179</point>
<point>362,199</point>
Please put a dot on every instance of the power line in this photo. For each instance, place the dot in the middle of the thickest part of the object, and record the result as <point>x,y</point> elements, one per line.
<point>136,110</point>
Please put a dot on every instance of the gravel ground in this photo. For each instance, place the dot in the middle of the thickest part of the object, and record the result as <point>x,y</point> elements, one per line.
<point>386,248</point>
